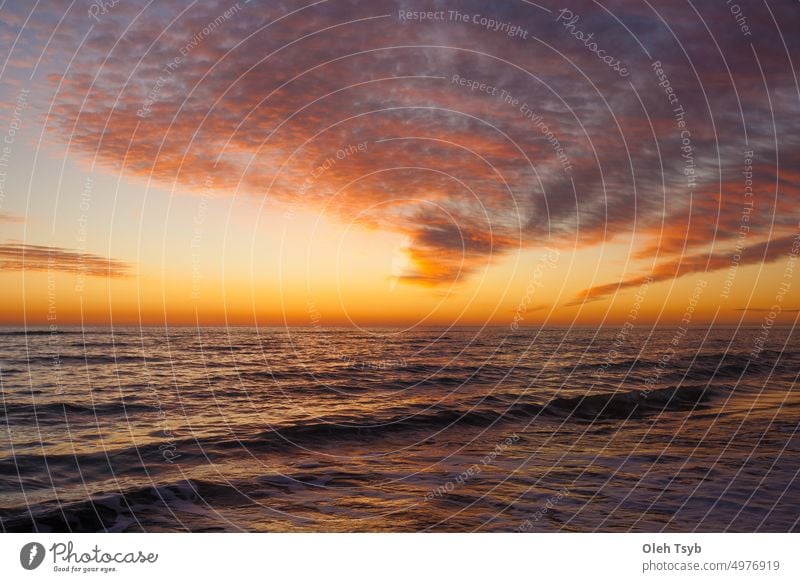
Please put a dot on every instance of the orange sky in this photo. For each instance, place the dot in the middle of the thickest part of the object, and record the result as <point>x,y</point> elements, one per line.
<point>341,166</point>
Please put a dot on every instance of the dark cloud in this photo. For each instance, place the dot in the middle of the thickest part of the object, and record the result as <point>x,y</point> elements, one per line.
<point>263,98</point>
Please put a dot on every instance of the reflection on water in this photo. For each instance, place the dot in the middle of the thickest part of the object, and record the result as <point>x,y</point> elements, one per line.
<point>340,430</point>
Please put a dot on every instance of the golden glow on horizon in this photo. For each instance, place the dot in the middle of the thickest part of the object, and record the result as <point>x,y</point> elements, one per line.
<point>331,275</point>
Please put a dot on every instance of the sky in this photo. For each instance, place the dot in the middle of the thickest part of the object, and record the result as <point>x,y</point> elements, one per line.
<point>399,163</point>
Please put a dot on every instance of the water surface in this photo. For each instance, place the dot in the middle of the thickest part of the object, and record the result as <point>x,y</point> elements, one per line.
<point>317,429</point>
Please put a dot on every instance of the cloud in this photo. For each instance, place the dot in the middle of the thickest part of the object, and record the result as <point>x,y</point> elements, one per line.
<point>25,257</point>
<point>575,156</point>
<point>532,308</point>
<point>763,252</point>
<point>8,218</point>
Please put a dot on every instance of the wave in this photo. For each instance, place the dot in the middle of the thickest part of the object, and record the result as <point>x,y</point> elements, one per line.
<point>121,511</point>
<point>632,404</point>
<point>95,359</point>
<point>702,366</point>
<point>421,421</point>
<point>61,408</point>
<point>38,332</point>
<point>374,377</point>
<point>116,512</point>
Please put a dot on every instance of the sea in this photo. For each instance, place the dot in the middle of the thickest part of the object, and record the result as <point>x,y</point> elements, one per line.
<point>610,429</point>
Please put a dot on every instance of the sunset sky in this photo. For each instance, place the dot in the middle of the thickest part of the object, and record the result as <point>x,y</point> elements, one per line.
<point>343,162</point>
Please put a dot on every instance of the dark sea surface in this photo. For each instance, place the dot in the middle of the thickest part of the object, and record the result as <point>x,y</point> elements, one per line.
<point>317,429</point>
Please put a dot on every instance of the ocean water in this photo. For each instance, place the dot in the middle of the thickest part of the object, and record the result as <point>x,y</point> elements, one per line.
<point>461,429</point>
